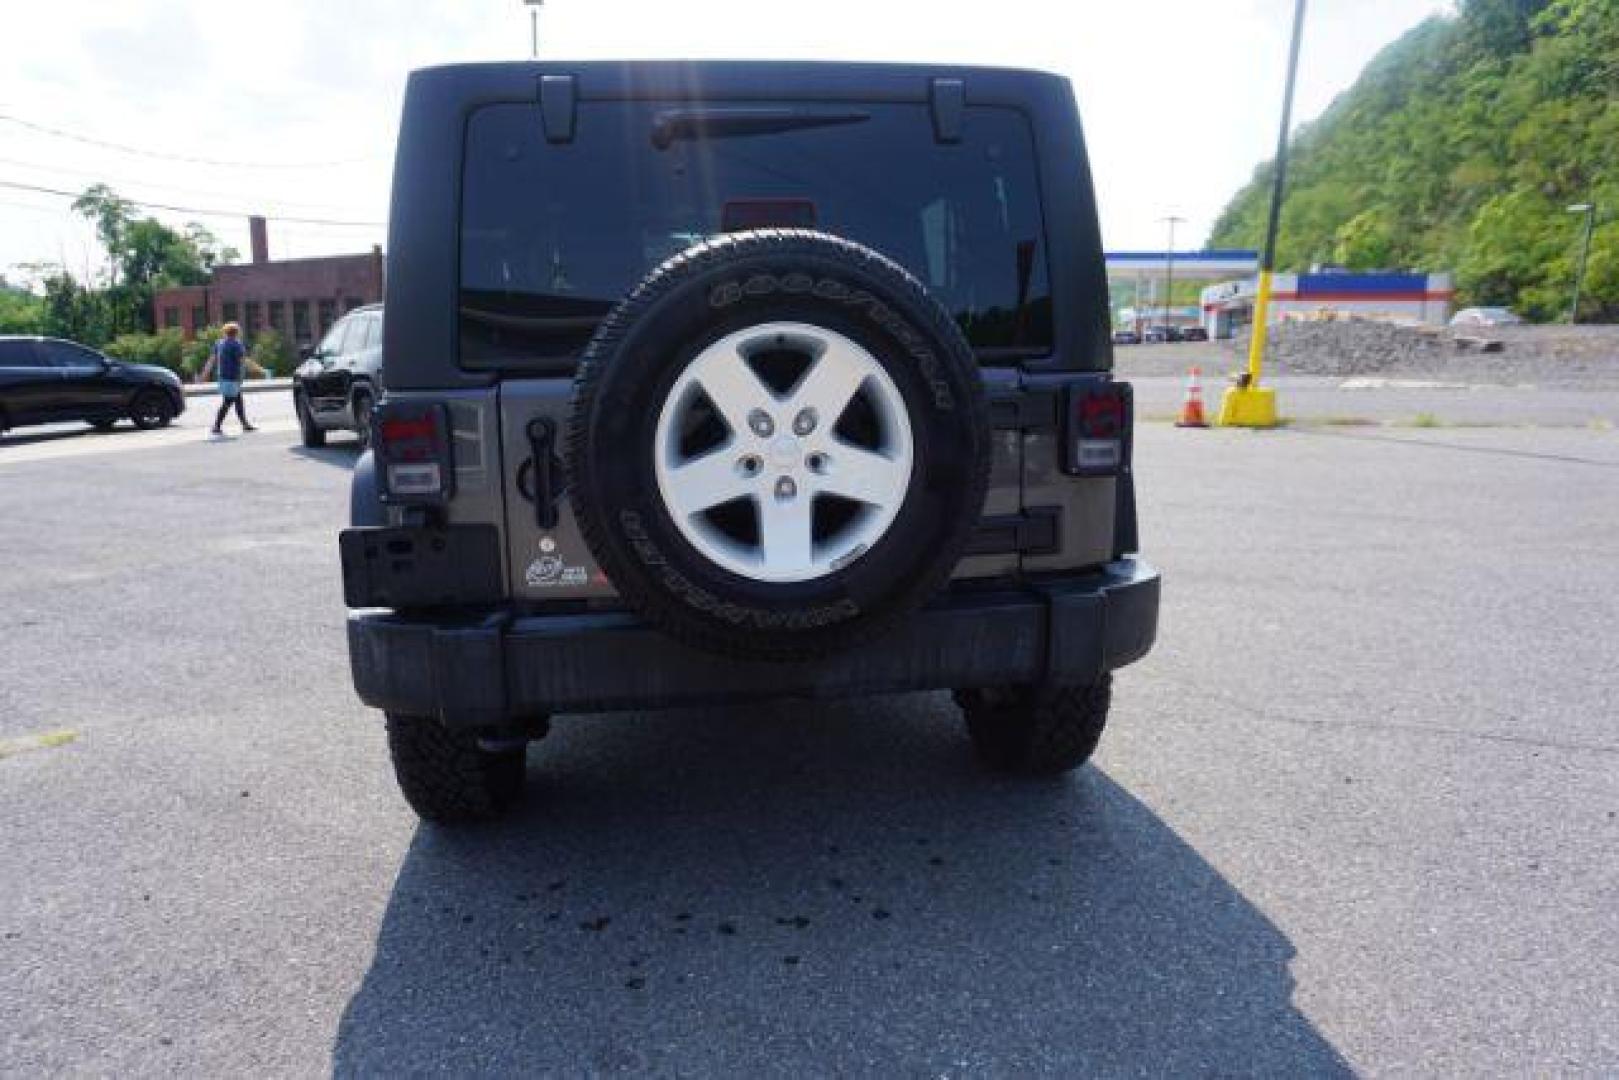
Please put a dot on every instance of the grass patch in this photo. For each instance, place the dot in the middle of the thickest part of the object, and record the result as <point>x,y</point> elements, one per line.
<point>45,740</point>
<point>1425,420</point>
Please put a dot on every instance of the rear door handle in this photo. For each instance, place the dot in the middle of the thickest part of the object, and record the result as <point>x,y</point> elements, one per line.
<point>539,478</point>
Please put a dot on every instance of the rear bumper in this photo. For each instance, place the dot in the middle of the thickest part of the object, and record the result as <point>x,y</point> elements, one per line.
<point>489,672</point>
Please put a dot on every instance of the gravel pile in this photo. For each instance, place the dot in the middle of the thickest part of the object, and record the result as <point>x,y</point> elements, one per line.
<point>1353,347</point>
<point>1551,356</point>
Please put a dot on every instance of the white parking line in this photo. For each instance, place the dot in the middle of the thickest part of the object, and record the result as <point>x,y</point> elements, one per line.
<point>92,443</point>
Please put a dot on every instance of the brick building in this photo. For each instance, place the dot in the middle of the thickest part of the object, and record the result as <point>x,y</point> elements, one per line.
<point>300,298</point>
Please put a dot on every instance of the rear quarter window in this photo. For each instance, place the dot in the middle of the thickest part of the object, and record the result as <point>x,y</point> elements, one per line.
<point>553,235</point>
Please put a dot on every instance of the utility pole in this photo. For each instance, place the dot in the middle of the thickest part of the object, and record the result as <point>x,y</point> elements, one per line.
<point>534,27</point>
<point>1169,270</point>
<point>1590,212</point>
<point>1247,404</point>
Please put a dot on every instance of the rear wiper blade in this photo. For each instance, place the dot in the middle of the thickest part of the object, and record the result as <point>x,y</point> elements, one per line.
<point>723,121</point>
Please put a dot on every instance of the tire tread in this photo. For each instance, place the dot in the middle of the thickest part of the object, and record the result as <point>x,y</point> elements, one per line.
<point>446,777</point>
<point>1037,731</point>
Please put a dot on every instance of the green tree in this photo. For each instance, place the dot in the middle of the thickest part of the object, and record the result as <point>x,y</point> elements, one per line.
<point>75,312</point>
<point>1460,147</point>
<point>166,348</point>
<point>21,312</point>
<point>274,352</point>
<point>144,255</point>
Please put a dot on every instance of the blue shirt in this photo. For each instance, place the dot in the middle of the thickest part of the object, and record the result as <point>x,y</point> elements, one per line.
<point>230,354</point>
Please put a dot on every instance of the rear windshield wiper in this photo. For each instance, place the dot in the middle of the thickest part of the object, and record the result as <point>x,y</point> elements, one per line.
<point>720,122</point>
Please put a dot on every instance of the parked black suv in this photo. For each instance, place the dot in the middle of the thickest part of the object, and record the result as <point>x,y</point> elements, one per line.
<point>340,380</point>
<point>50,381</point>
<point>722,380</point>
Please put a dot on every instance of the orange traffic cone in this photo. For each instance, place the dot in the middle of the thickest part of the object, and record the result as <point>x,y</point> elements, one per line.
<point>1192,409</point>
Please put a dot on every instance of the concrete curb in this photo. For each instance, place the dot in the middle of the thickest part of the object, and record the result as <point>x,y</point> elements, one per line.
<point>249,386</point>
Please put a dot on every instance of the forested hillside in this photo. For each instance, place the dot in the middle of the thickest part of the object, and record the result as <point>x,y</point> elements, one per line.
<point>1460,148</point>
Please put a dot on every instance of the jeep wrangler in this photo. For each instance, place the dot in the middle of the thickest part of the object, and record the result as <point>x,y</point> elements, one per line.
<point>708,381</point>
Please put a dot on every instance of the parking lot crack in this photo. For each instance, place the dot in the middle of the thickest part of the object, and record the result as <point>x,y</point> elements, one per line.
<point>1434,730</point>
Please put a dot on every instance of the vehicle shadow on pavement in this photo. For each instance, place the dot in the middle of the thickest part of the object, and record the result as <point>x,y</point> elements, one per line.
<point>26,437</point>
<point>343,455</point>
<point>797,888</point>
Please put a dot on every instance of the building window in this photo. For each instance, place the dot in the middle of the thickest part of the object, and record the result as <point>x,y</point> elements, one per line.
<point>328,314</point>
<point>351,302</point>
<point>300,321</point>
<point>278,315</point>
<point>230,313</point>
<point>171,318</point>
<point>199,318</point>
<point>254,310</point>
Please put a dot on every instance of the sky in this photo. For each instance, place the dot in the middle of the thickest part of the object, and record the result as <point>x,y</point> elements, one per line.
<point>290,107</point>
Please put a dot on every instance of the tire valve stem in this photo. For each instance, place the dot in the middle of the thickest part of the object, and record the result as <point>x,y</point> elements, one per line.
<point>785,488</point>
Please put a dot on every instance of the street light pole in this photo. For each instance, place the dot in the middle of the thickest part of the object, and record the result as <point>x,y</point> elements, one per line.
<point>1247,404</point>
<point>1169,271</point>
<point>534,27</point>
<point>1590,212</point>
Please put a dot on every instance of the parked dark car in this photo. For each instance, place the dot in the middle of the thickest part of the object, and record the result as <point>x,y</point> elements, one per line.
<point>1161,335</point>
<point>340,380</point>
<point>49,381</point>
<point>1126,337</point>
<point>1194,333</point>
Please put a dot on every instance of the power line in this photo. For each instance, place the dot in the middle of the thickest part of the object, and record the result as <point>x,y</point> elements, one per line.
<point>200,210</point>
<point>121,181</point>
<point>138,152</point>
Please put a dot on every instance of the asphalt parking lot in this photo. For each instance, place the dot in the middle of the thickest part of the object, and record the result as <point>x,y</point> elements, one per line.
<point>1358,812</point>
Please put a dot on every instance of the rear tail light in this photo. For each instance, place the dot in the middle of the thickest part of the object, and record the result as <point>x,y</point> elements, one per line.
<point>413,453</point>
<point>1098,440</point>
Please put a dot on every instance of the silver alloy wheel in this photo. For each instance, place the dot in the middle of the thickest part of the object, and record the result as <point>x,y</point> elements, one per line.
<point>783,453</point>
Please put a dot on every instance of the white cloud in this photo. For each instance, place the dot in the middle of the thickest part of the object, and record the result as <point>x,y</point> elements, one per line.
<point>1180,97</point>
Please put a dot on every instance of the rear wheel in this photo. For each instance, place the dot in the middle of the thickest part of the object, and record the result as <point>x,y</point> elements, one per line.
<point>312,436</point>
<point>1036,731</point>
<point>363,408</point>
<point>151,409</point>
<point>448,776</point>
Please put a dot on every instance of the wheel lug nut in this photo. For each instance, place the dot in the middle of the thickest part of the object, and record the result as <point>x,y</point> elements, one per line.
<point>761,424</point>
<point>785,488</point>
<point>804,422</point>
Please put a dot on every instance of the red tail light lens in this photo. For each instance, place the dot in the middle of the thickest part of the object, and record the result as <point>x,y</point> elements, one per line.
<point>413,453</point>
<point>401,432</point>
<point>1098,437</point>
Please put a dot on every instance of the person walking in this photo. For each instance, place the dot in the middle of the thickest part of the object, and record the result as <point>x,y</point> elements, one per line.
<point>230,357</point>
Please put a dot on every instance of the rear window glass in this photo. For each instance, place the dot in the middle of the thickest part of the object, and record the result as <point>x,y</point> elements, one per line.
<point>553,235</point>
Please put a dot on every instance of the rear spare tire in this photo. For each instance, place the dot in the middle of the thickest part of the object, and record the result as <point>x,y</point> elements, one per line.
<point>779,444</point>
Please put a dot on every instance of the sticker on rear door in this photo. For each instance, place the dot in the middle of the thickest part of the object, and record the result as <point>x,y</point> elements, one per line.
<point>548,571</point>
